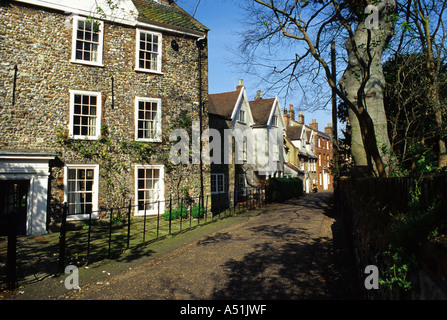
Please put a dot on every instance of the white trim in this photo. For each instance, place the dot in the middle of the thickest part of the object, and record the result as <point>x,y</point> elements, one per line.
<point>75,38</point>
<point>95,188</point>
<point>137,51</point>
<point>161,190</point>
<point>98,114</point>
<point>158,132</point>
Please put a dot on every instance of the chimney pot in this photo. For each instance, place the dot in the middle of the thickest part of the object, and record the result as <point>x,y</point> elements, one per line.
<point>240,84</point>
<point>301,117</point>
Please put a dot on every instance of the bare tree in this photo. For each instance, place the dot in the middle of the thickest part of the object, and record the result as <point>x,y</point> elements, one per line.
<point>314,25</point>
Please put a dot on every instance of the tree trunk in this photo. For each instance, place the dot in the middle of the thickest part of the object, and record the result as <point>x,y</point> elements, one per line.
<point>363,83</point>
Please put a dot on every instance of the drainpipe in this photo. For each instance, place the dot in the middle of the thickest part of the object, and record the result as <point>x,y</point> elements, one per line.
<point>14,86</point>
<point>201,43</point>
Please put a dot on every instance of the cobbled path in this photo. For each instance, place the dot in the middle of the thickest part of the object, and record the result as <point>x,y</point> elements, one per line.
<point>284,251</point>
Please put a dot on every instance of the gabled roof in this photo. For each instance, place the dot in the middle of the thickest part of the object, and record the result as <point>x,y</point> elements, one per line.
<point>166,12</point>
<point>261,110</point>
<point>294,132</point>
<point>222,104</point>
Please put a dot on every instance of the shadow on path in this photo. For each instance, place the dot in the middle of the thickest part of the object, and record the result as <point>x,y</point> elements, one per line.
<point>295,263</point>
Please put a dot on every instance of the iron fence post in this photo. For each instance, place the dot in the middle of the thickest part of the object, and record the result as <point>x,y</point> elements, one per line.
<point>170,213</point>
<point>144,224</point>
<point>62,238</point>
<point>128,223</point>
<point>89,236</point>
<point>12,252</point>
<point>110,232</point>
<point>181,213</point>
<point>158,218</point>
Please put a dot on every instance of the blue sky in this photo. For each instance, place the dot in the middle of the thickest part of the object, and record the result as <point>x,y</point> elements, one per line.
<point>223,18</point>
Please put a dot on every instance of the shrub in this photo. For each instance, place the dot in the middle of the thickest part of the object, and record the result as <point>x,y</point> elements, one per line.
<point>196,213</point>
<point>175,214</point>
<point>184,211</point>
<point>282,189</point>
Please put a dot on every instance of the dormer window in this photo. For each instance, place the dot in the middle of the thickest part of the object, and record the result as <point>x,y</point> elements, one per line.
<point>87,43</point>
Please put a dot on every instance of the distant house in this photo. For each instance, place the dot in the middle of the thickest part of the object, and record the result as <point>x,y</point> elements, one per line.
<point>89,96</point>
<point>268,131</point>
<point>230,115</point>
<point>256,142</point>
<point>313,150</point>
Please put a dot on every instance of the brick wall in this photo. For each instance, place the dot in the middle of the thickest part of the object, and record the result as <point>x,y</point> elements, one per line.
<point>366,206</point>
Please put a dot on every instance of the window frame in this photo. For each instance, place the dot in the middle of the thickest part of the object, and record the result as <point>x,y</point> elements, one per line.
<point>241,116</point>
<point>158,132</point>
<point>217,191</point>
<point>161,188</point>
<point>100,51</point>
<point>95,190</point>
<point>138,48</point>
<point>71,123</point>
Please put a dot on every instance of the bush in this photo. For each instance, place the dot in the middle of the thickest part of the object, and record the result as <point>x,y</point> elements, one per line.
<point>282,189</point>
<point>184,211</point>
<point>175,214</point>
<point>196,213</point>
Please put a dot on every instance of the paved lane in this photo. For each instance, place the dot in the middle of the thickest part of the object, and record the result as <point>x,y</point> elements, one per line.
<point>284,251</point>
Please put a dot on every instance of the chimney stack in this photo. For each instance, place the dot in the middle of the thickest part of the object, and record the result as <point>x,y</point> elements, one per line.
<point>314,124</point>
<point>291,112</point>
<point>301,117</point>
<point>328,129</point>
<point>286,117</point>
<point>240,84</point>
<point>258,95</point>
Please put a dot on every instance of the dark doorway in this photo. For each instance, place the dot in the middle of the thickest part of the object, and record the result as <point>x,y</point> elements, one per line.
<point>13,200</point>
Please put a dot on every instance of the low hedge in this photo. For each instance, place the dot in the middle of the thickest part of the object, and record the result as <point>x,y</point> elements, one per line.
<point>184,211</point>
<point>282,189</point>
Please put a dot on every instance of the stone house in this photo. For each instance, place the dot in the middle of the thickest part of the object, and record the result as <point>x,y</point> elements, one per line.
<point>88,96</point>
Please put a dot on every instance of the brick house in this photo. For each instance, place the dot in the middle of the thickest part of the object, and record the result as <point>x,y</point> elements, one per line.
<point>313,150</point>
<point>88,97</point>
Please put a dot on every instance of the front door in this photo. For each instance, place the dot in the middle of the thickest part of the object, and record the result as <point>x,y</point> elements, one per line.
<point>13,200</point>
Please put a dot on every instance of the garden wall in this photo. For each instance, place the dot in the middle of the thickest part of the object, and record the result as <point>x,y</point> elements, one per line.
<point>378,213</point>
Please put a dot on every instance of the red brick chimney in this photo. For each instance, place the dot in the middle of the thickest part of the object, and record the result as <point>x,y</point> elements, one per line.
<point>328,129</point>
<point>301,117</point>
<point>314,124</point>
<point>291,112</point>
<point>286,117</point>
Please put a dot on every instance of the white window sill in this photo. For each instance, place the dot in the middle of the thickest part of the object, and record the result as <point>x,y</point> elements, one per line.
<point>87,63</point>
<point>83,137</point>
<point>80,217</point>
<point>148,140</point>
<point>149,71</point>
